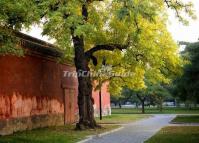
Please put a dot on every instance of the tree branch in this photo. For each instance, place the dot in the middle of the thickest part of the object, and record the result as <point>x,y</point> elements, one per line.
<point>110,47</point>
<point>175,4</point>
<point>140,98</point>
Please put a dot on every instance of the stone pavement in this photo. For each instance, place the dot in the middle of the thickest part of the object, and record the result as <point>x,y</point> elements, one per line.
<point>136,132</point>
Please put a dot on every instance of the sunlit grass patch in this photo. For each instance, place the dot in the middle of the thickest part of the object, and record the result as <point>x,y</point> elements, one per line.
<point>176,134</point>
<point>186,119</point>
<point>122,118</point>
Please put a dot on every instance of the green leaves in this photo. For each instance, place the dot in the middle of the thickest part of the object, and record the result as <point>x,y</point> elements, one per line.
<point>9,44</point>
<point>181,9</point>
<point>186,86</point>
<point>85,30</point>
<point>122,13</point>
<point>18,13</point>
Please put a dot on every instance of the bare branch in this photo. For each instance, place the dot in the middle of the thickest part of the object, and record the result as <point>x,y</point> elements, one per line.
<point>167,3</point>
<point>175,5</point>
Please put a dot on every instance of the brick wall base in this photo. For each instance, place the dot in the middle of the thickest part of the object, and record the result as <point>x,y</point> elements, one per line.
<point>9,126</point>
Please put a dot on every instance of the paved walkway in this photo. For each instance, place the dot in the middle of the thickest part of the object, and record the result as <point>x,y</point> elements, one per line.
<point>136,132</point>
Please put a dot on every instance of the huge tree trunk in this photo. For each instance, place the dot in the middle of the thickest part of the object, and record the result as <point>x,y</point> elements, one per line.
<point>85,100</point>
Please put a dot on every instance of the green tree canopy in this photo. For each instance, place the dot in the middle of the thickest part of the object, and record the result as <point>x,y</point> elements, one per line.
<point>187,86</point>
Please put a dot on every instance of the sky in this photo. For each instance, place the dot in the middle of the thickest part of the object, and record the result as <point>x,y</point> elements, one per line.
<point>179,31</point>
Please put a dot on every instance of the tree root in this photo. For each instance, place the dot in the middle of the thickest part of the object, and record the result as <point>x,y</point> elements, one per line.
<point>87,125</point>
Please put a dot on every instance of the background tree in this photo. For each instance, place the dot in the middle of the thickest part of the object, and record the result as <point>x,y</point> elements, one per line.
<point>130,96</point>
<point>153,94</point>
<point>127,95</point>
<point>187,86</point>
<point>133,32</point>
<point>159,93</point>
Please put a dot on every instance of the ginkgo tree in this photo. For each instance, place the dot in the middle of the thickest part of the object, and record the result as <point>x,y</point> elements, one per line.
<point>130,34</point>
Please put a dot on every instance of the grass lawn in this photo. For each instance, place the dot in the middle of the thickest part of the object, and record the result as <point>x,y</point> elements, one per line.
<point>155,111</point>
<point>67,134</point>
<point>186,119</point>
<point>121,118</point>
<point>178,134</point>
<point>62,134</point>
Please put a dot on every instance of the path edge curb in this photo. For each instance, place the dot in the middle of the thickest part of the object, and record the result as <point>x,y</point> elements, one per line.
<point>100,135</point>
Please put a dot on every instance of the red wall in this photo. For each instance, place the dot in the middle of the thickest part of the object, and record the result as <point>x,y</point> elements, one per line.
<point>33,85</point>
